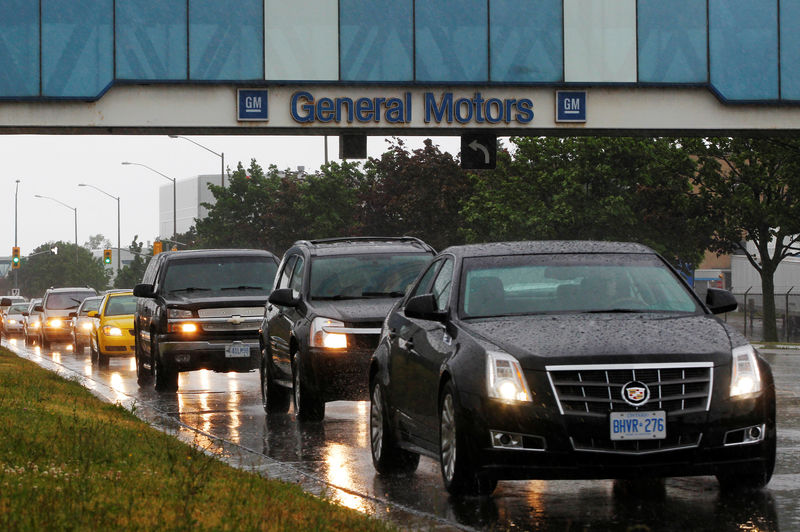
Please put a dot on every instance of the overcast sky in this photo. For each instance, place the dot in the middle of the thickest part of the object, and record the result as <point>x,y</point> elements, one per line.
<point>54,166</point>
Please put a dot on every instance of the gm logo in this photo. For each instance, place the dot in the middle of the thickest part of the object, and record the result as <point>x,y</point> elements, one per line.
<point>253,104</point>
<point>570,106</point>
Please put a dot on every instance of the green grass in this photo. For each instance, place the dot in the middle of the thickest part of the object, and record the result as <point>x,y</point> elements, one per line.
<point>71,462</point>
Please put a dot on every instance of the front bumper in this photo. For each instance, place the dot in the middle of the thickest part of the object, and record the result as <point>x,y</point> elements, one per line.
<point>190,355</point>
<point>13,328</point>
<point>557,446</point>
<point>116,346</point>
<point>56,334</point>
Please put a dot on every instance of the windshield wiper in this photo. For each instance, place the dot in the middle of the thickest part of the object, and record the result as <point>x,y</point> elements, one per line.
<point>337,297</point>
<point>243,287</point>
<point>190,289</point>
<point>615,311</point>
<point>395,293</point>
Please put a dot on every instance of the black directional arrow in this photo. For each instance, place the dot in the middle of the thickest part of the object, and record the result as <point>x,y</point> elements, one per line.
<point>478,151</point>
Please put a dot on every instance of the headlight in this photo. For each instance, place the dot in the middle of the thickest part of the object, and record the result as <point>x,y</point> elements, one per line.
<point>55,323</point>
<point>36,324</point>
<point>109,330</point>
<point>12,322</point>
<point>745,377</point>
<point>504,378</point>
<point>178,313</point>
<point>322,336</point>
<point>188,327</point>
<point>87,325</point>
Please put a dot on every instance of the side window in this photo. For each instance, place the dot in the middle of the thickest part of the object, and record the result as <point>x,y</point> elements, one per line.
<point>423,287</point>
<point>150,273</point>
<point>297,275</point>
<point>286,273</point>
<point>443,284</point>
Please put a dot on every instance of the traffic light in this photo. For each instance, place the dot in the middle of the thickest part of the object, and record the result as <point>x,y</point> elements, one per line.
<point>15,257</point>
<point>106,256</point>
<point>157,247</point>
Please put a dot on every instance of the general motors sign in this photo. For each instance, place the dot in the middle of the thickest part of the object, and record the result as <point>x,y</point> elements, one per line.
<point>570,106</point>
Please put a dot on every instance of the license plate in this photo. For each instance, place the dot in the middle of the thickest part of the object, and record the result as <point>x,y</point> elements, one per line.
<point>237,350</point>
<point>638,425</point>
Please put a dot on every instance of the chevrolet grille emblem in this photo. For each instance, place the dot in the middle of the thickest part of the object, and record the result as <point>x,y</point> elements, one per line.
<point>236,320</point>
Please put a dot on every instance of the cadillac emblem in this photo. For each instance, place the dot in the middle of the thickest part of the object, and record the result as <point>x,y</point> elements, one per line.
<point>635,393</point>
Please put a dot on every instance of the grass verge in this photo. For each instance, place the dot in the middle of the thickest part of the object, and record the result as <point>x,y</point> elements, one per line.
<point>69,461</point>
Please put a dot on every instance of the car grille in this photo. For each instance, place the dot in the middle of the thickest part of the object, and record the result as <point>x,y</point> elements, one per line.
<point>596,390</point>
<point>673,442</point>
<point>227,312</point>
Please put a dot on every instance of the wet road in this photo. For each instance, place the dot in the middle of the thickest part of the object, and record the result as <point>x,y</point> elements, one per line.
<point>222,412</point>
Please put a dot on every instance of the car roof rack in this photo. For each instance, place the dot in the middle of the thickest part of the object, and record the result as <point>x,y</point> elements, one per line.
<point>344,239</point>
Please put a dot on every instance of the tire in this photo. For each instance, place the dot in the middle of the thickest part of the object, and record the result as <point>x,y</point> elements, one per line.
<point>43,343</point>
<point>307,405</point>
<point>93,349</point>
<point>274,398</point>
<point>103,360</point>
<point>387,457</point>
<point>143,376</point>
<point>459,475</point>
<point>166,377</point>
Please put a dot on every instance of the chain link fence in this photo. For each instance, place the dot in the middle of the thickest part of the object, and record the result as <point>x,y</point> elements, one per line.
<point>748,318</point>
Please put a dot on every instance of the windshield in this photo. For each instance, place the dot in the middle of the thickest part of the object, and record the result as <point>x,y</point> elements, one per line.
<point>219,276</point>
<point>18,308</point>
<point>365,276</point>
<point>90,305</point>
<point>66,300</point>
<point>570,283</point>
<point>120,305</point>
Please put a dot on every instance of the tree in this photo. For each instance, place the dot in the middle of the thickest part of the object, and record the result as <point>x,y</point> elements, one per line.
<point>131,274</point>
<point>593,188</point>
<point>752,187</point>
<point>97,241</point>
<point>415,193</point>
<point>42,269</point>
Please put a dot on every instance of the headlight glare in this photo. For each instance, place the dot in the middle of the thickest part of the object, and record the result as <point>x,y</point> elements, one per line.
<point>110,330</point>
<point>745,377</point>
<point>55,323</point>
<point>87,326</point>
<point>188,327</point>
<point>504,378</point>
<point>323,336</point>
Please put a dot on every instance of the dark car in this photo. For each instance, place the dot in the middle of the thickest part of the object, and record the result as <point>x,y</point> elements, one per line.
<point>57,306</point>
<point>323,319</point>
<point>200,309</point>
<point>553,360</point>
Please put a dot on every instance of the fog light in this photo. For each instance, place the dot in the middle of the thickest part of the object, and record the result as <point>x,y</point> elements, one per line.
<point>744,436</point>
<point>755,433</point>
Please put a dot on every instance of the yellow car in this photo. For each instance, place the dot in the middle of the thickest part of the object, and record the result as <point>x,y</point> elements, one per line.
<point>113,335</point>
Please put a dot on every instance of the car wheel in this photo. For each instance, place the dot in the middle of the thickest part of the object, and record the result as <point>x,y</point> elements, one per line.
<point>93,348</point>
<point>387,457</point>
<point>753,478</point>
<point>143,376</point>
<point>307,405</point>
<point>460,477</point>
<point>43,343</point>
<point>274,398</point>
<point>166,377</point>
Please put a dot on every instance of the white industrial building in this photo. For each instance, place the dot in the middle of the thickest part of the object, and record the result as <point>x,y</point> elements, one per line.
<point>191,193</point>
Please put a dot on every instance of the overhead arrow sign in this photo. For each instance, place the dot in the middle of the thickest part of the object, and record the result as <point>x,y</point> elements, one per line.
<point>478,152</point>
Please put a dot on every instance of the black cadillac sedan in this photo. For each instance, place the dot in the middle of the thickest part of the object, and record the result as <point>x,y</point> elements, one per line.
<point>553,360</point>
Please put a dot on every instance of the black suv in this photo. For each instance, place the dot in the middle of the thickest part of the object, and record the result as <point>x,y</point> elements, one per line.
<point>323,319</point>
<point>200,309</point>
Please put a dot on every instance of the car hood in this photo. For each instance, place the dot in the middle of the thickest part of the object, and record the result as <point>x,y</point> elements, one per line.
<point>537,341</point>
<point>124,321</point>
<point>354,310</point>
<point>217,302</point>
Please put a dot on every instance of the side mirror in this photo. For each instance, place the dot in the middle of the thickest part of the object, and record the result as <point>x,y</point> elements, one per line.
<point>38,308</point>
<point>144,290</point>
<point>92,314</point>
<point>720,301</point>
<point>73,314</point>
<point>284,297</point>
<point>26,313</point>
<point>424,308</point>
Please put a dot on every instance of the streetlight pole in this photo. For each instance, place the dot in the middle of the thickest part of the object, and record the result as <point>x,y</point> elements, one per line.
<point>16,193</point>
<point>119,243</point>
<point>75,210</point>
<point>174,195</point>
<point>220,155</point>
